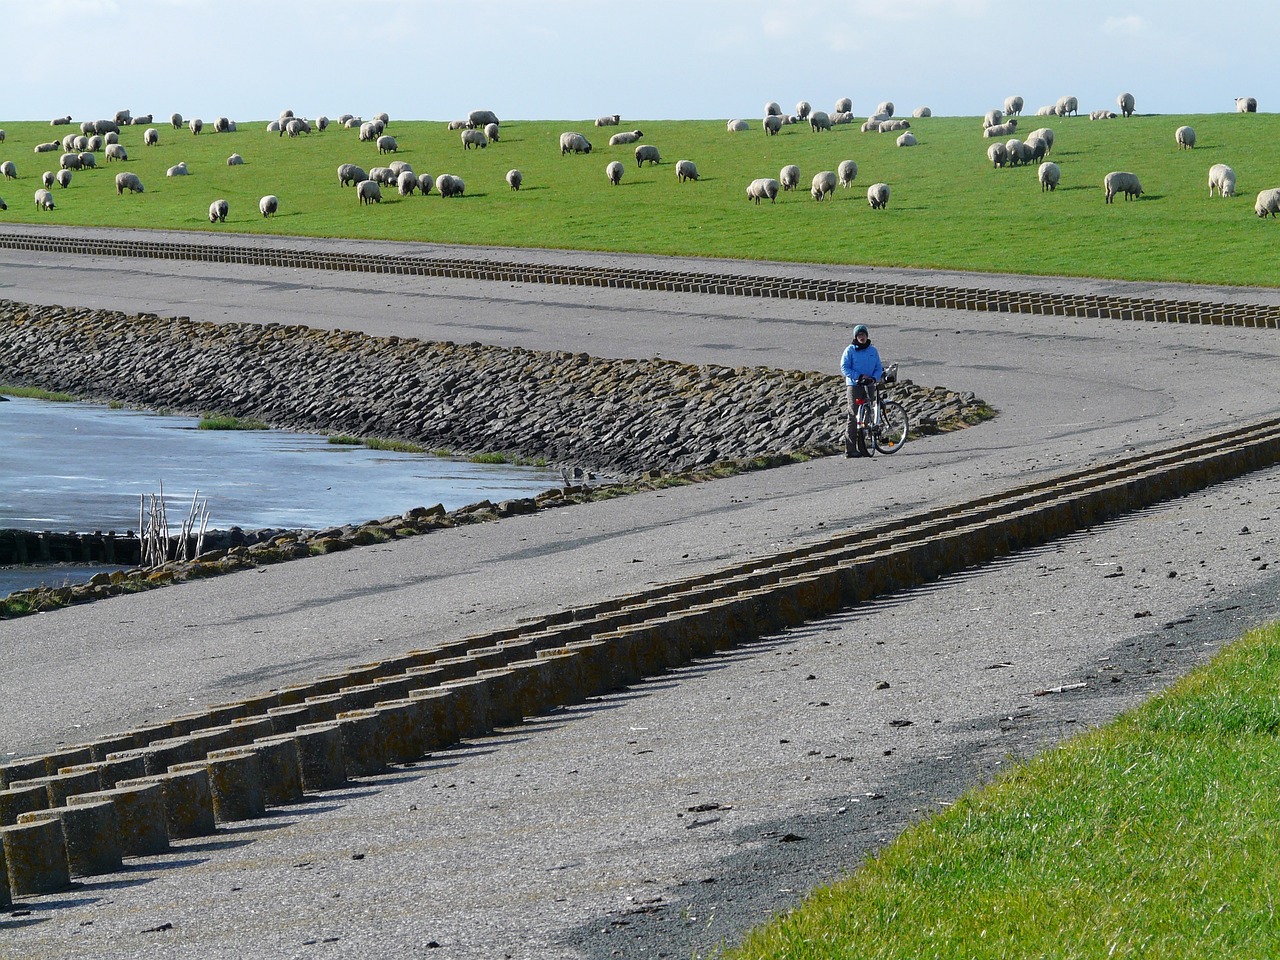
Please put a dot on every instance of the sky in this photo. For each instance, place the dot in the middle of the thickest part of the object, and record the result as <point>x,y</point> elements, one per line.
<point>642,59</point>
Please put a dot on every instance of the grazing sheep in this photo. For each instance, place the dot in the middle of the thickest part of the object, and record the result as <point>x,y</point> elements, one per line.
<point>369,191</point>
<point>116,151</point>
<point>1223,179</point>
<point>647,152</point>
<point>1036,149</point>
<point>105,138</point>
<point>195,126</point>
<point>1185,138</point>
<point>614,172</point>
<point>354,123</point>
<point>514,179</point>
<point>908,139</point>
<point>1067,106</point>
<point>150,137</point>
<point>819,120</point>
<point>176,121</point>
<point>235,160</point>
<point>491,130</point>
<point>1125,103</point>
<point>789,177</point>
<point>383,175</point>
<point>297,126</point>
<point>574,143</point>
<point>1246,105</point>
<point>844,105</point>
<point>1045,134</point>
<point>878,196</point>
<point>406,183</point>
<point>369,131</point>
<point>425,183</point>
<point>1268,202</point>
<point>991,118</point>
<point>997,154</point>
<point>47,178</point>
<point>480,118</point>
<point>803,109</point>
<point>69,141</point>
<point>921,112</point>
<point>885,107</point>
<point>322,123</point>
<point>1019,153</point>
<point>218,211</point>
<point>398,167</point>
<point>384,118</point>
<point>70,161</point>
<point>88,161</point>
<point>350,173</point>
<point>470,138</point>
<point>450,186</point>
<point>222,125</point>
<point>123,116</point>
<point>1001,129</point>
<point>1120,181</point>
<point>48,147</point>
<point>737,126</point>
<point>9,169</point>
<point>60,121</point>
<point>847,171</point>
<point>179,169</point>
<point>761,189</point>
<point>771,109</point>
<point>63,177</point>
<point>268,205</point>
<point>1049,174</point>
<point>44,199</point>
<point>94,143</point>
<point>453,125</point>
<point>823,184</point>
<point>1012,106</point>
<point>128,181</point>
<point>611,121</point>
<point>1101,115</point>
<point>686,170</point>
<point>387,143</point>
<point>772,124</point>
<point>102,126</point>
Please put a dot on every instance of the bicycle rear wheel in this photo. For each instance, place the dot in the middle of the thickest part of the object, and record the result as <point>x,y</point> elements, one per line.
<point>892,433</point>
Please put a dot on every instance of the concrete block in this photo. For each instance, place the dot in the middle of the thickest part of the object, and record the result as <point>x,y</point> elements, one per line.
<point>188,802</point>
<point>249,729</point>
<point>403,729</point>
<point>286,718</point>
<point>321,761</point>
<point>159,755</point>
<point>15,801</point>
<point>28,768</point>
<point>440,719</point>
<point>281,776</point>
<point>504,696</point>
<point>92,835</point>
<point>362,742</point>
<point>235,783</point>
<point>470,706</point>
<point>35,856</point>
<point>62,785</point>
<point>100,749</point>
<point>53,762</point>
<point>140,810</point>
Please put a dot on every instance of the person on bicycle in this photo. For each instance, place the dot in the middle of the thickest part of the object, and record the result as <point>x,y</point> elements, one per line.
<point>860,366</point>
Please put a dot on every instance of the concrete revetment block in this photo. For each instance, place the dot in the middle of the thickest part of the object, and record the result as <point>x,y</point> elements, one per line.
<point>188,802</point>
<point>16,801</point>
<point>321,761</point>
<point>35,855</point>
<point>235,782</point>
<point>92,835</point>
<point>140,809</point>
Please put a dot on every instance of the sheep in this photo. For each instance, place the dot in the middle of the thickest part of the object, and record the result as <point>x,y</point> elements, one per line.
<point>1185,138</point>
<point>610,121</point>
<point>991,118</point>
<point>737,126</point>
<point>470,138</point>
<point>1246,105</point>
<point>479,118</point>
<point>1049,173</point>
<point>450,186</point>
<point>771,109</point>
<point>1268,202</point>
<point>406,183</point>
<point>997,154</point>
<point>823,184</point>
<point>268,205</point>
<point>425,183</point>
<point>1101,115</point>
<point>384,175</point>
<point>350,173</point>
<point>878,196</point>
<point>48,147</point>
<point>685,170</point>
<point>355,123</point>
<point>123,116</point>
<point>224,125</point>
<point>60,121</point>
<point>47,178</point>
<point>176,120</point>
<point>789,177</point>
<point>885,107</point>
<point>44,199</point>
<point>128,181</point>
<point>69,141</point>
<point>614,172</point>
<point>195,125</point>
<point>150,137</point>
<point>179,169</point>
<point>1018,152</point>
<point>9,169</point>
<point>387,144</point>
<point>819,120</point>
<point>1045,134</point>
<point>908,139</point>
<point>63,177</point>
<point>141,121</point>
<point>218,211</point>
<point>369,191</point>
<point>1067,106</point>
<point>764,187</point>
<point>514,179</point>
<point>847,171</point>
<point>838,118</point>
<point>574,143</point>
<point>102,126</point>
<point>88,161</point>
<point>368,131</point>
<point>772,124</point>
<point>275,126</point>
<point>455,125</point>
<point>296,127</point>
<point>1120,181</point>
<point>1125,103</point>
<point>1001,129</point>
<point>322,123</point>
<point>491,130</point>
<point>235,160</point>
<point>70,161</point>
<point>106,138</point>
<point>385,118</point>
<point>398,167</point>
<point>116,151</point>
<point>893,126</point>
<point>803,109</point>
<point>647,152</point>
<point>844,105</point>
<point>94,142</point>
<point>1012,106</point>
<point>1223,178</point>
<point>919,112</point>
<point>625,137</point>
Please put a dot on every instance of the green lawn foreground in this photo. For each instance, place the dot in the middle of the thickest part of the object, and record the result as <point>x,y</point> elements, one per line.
<point>1157,836</point>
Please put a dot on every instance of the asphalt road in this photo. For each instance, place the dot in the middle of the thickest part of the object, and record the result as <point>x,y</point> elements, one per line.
<point>658,821</point>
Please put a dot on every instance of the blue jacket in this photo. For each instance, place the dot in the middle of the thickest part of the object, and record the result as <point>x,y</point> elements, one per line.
<point>864,361</point>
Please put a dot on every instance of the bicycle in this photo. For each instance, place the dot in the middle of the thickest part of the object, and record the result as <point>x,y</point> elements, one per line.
<point>881,424</point>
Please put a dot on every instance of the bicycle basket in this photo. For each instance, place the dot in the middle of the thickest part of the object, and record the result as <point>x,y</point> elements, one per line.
<point>891,373</point>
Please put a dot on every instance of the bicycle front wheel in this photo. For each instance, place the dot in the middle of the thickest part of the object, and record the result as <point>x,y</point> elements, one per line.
<point>893,427</point>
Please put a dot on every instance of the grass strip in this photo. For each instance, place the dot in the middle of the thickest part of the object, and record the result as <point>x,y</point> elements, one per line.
<point>1156,836</point>
<point>35,393</point>
<point>223,422</point>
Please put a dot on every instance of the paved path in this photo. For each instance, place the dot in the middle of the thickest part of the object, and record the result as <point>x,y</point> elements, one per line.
<point>651,822</point>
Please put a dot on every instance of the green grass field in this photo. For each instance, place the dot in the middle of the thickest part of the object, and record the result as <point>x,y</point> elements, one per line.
<point>949,208</point>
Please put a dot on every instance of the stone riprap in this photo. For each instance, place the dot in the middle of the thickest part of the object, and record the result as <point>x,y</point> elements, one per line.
<point>617,417</point>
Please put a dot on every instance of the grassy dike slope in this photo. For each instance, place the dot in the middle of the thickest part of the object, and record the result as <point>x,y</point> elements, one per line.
<point>949,209</point>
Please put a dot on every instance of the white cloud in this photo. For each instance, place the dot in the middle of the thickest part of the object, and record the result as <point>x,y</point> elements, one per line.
<point>1124,26</point>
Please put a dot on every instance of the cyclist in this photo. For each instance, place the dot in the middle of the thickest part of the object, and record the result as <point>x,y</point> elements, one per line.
<point>860,366</point>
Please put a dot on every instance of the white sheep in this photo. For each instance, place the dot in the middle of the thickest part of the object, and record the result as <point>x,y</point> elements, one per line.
<point>997,154</point>
<point>142,121</point>
<point>1185,138</point>
<point>1101,115</point>
<point>294,128</point>
<point>275,126</point>
<point>450,186</point>
<point>384,118</point>
<point>406,183</point>
<point>763,188</point>
<point>268,205</point>
<point>123,116</point>
<point>322,123</point>
<point>1001,129</point>
<point>44,199</point>
<point>235,160</point>
<point>472,138</point>
<point>107,138</point>
<point>1018,152</point>
<point>92,143</point>
<point>908,139</point>
<point>425,183</point>
<point>1045,134</point>
<point>772,124</point>
<point>384,175</point>
<point>128,181</point>
<point>350,173</point>
<point>9,169</point>
<point>789,177</point>
<point>1125,103</point>
<point>514,179</point>
<point>47,178</point>
<point>1012,106</point>
<point>647,153</point>
<point>803,109</point>
<point>1223,179</point>
<point>1067,106</point>
<point>844,105</point>
<point>70,161</point>
<point>224,125</point>
<point>69,141</point>
<point>1121,181</point>
<point>369,191</point>
<point>847,171</point>
<point>399,166</point>
<point>893,126</point>
<point>49,147</point>
<point>1246,105</point>
<point>841,118</point>
<point>492,130</point>
<point>771,109</point>
<point>179,169</point>
<point>686,170</point>
<point>387,143</point>
<point>1268,202</point>
<point>1047,111</point>
<point>60,121</point>
<point>625,137</point>
<point>610,121</point>
<point>921,112</point>
<point>614,172</point>
<point>1049,174</point>
<point>737,126</point>
<point>885,107</point>
<point>116,151</point>
<point>176,120</point>
<point>63,177</point>
<point>453,125</point>
<point>878,196</point>
<point>991,118</point>
<point>196,125</point>
<point>479,118</point>
<point>88,161</point>
<point>218,211</point>
<point>150,137</point>
<point>819,120</point>
<point>1036,149</point>
<point>823,184</point>
<point>369,132</point>
<point>574,143</point>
